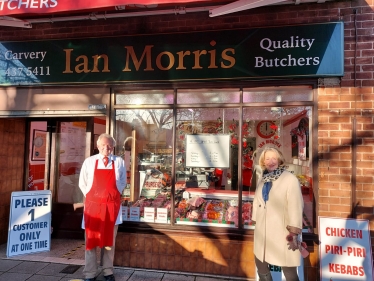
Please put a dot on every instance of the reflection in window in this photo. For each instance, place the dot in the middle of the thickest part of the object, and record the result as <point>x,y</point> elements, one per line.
<point>71,141</point>
<point>287,129</point>
<point>14,72</point>
<point>207,137</point>
<point>145,136</point>
<point>142,97</point>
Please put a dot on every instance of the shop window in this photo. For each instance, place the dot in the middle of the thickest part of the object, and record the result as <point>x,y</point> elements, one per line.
<point>284,128</point>
<point>142,97</point>
<point>144,139</point>
<point>278,94</point>
<point>208,96</point>
<point>216,151</point>
<point>207,167</point>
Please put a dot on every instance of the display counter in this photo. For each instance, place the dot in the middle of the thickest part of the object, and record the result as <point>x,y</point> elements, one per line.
<point>210,207</point>
<point>193,206</point>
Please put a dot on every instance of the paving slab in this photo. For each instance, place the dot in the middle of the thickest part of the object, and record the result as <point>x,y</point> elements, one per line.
<point>28,267</point>
<point>53,269</point>
<point>14,276</point>
<point>206,278</point>
<point>178,277</point>
<point>146,276</point>
<point>119,274</point>
<point>44,278</point>
<point>71,279</point>
<point>6,265</point>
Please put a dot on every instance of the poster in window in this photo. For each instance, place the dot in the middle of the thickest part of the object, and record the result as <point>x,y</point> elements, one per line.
<point>208,151</point>
<point>39,145</point>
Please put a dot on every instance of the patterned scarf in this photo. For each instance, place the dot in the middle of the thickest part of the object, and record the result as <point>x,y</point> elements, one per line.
<point>268,178</point>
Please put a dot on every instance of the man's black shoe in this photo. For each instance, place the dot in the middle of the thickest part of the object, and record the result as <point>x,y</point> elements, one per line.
<point>109,278</point>
<point>89,279</point>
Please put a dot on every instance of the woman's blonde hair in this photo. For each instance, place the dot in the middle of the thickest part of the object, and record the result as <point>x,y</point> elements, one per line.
<point>261,160</point>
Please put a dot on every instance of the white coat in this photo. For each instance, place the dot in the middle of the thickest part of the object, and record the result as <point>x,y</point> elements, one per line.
<point>284,207</point>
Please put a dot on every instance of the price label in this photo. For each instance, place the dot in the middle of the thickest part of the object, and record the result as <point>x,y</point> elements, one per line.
<point>134,213</point>
<point>186,195</point>
<point>125,213</point>
<point>149,214</point>
<point>162,215</point>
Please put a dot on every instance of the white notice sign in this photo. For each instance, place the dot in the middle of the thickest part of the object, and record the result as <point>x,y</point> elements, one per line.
<point>345,249</point>
<point>149,214</point>
<point>29,222</point>
<point>134,213</point>
<point>208,151</point>
<point>162,215</point>
<point>125,213</point>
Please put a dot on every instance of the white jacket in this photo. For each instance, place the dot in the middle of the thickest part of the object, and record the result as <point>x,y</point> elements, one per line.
<point>284,207</point>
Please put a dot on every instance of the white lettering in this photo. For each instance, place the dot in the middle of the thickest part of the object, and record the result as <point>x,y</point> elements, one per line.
<point>9,5</point>
<point>259,62</point>
<point>34,4</point>
<point>268,44</point>
<point>294,42</point>
<point>284,62</point>
<point>20,4</point>
<point>9,55</point>
<point>27,4</point>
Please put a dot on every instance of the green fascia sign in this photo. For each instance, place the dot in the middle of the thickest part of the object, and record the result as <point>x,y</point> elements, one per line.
<point>274,52</point>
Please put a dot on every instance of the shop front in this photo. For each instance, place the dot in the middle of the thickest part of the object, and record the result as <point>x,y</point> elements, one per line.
<point>190,115</point>
<point>193,170</point>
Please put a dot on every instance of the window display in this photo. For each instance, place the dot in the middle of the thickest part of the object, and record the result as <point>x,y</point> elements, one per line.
<point>204,173</point>
<point>213,208</point>
<point>214,161</point>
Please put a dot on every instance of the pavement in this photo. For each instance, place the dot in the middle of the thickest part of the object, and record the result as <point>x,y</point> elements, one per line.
<point>65,262</point>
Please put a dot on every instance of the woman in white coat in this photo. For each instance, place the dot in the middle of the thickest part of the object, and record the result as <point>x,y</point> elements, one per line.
<point>278,212</point>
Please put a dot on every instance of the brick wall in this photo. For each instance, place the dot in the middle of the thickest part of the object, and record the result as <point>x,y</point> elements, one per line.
<point>12,143</point>
<point>196,253</point>
<point>338,108</point>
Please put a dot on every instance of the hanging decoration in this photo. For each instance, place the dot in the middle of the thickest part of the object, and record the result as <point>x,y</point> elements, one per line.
<point>246,131</point>
<point>300,139</point>
<point>275,127</point>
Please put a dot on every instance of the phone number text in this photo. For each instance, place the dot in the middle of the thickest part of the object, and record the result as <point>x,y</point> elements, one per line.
<point>28,71</point>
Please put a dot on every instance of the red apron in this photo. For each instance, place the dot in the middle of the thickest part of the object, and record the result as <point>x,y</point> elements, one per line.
<point>101,208</point>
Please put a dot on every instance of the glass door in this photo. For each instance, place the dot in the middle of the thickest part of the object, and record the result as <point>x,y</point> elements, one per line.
<point>57,150</point>
<point>73,144</point>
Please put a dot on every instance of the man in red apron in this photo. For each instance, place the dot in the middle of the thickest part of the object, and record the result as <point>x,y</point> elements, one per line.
<point>102,180</point>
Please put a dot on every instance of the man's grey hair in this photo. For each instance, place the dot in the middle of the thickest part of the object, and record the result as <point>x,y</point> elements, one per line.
<point>106,136</point>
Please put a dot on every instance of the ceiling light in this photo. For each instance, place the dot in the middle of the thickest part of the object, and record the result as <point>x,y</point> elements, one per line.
<point>241,5</point>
